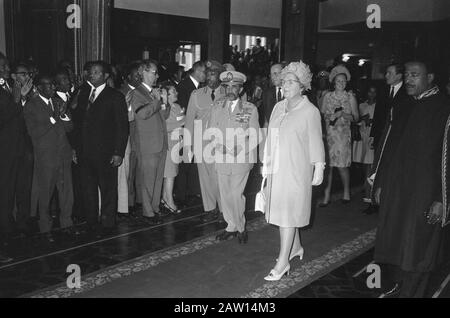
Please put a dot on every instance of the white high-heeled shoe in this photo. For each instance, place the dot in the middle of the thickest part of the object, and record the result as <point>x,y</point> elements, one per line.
<point>300,253</point>
<point>274,276</point>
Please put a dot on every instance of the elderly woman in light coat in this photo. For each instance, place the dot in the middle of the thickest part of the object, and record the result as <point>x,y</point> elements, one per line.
<point>294,160</point>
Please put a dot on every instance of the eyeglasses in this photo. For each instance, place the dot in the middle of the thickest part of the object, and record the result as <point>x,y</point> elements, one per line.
<point>152,71</point>
<point>290,82</point>
<point>22,73</point>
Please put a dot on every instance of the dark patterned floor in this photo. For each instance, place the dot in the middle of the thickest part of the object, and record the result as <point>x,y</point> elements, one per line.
<point>38,265</point>
<point>344,282</point>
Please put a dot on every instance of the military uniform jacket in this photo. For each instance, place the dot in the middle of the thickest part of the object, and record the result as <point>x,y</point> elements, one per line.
<point>244,125</point>
<point>200,108</point>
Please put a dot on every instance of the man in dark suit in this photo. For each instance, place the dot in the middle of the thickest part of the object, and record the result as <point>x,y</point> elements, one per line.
<point>101,137</point>
<point>64,95</point>
<point>47,124</point>
<point>11,141</point>
<point>187,181</point>
<point>22,79</point>
<point>385,112</point>
<point>274,94</point>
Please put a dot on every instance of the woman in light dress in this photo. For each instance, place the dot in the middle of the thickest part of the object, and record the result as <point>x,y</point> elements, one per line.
<point>339,109</point>
<point>363,151</point>
<point>174,123</point>
<point>294,160</point>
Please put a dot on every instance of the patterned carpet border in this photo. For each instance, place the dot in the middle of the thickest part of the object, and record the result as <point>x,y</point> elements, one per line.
<point>316,268</point>
<point>139,264</point>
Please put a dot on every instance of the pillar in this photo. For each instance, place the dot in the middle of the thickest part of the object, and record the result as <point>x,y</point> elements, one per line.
<point>299,25</point>
<point>219,30</point>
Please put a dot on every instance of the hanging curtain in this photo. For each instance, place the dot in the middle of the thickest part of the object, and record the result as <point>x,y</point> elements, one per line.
<point>92,40</point>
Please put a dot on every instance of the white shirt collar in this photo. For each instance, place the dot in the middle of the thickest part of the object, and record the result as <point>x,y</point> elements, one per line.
<point>147,87</point>
<point>46,100</point>
<point>130,86</point>
<point>98,90</point>
<point>233,104</point>
<point>63,96</point>
<point>196,83</point>
<point>396,88</point>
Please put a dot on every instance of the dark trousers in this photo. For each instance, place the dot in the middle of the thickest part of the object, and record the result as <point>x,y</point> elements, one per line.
<point>8,175</point>
<point>187,182</point>
<point>99,174</point>
<point>78,206</point>
<point>23,189</point>
<point>134,193</point>
<point>50,176</point>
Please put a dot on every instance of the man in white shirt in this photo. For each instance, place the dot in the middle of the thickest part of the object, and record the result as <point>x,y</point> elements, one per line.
<point>385,112</point>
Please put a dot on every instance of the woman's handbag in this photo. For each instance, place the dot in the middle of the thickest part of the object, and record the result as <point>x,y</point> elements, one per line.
<point>260,200</point>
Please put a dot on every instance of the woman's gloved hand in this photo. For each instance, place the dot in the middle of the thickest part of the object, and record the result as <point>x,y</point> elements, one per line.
<point>319,168</point>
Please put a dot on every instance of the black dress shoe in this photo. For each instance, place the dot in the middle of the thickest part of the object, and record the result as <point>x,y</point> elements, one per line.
<point>210,216</point>
<point>243,237</point>
<point>5,259</point>
<point>108,231</point>
<point>393,292</point>
<point>154,220</point>
<point>371,209</point>
<point>226,235</point>
<point>71,231</point>
<point>345,201</point>
<point>48,237</point>
<point>323,205</point>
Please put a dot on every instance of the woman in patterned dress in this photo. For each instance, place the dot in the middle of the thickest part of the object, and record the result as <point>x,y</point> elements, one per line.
<point>339,109</point>
<point>174,122</point>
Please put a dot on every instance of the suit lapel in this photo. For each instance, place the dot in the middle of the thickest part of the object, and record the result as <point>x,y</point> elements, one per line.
<point>144,91</point>
<point>102,95</point>
<point>46,108</point>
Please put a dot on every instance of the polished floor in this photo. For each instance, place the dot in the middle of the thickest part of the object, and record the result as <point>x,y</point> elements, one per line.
<point>40,265</point>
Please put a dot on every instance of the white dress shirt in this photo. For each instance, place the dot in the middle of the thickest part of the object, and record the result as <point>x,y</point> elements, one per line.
<point>64,96</point>
<point>98,90</point>
<point>147,87</point>
<point>396,88</point>
<point>49,103</point>
<point>233,104</point>
<point>196,83</point>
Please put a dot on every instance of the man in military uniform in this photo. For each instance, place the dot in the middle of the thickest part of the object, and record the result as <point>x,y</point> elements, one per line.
<point>198,115</point>
<point>233,120</point>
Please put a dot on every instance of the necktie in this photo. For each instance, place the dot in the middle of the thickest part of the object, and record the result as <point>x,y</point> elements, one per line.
<point>279,96</point>
<point>391,95</point>
<point>91,98</point>
<point>212,95</point>
<point>50,103</point>
<point>68,97</point>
